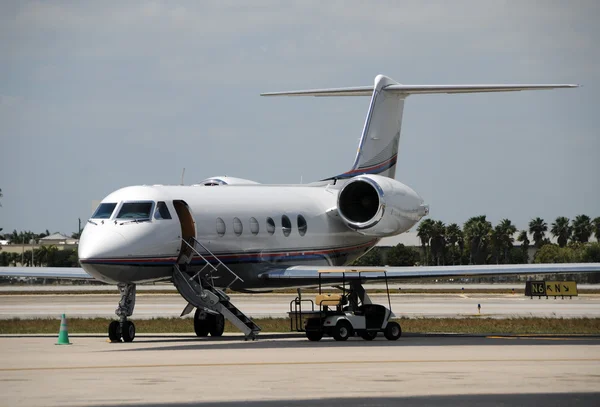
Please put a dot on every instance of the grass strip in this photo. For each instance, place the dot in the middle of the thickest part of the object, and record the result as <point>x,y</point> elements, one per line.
<point>474,325</point>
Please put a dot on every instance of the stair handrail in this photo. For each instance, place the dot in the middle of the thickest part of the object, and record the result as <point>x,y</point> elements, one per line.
<point>200,255</point>
<point>196,241</point>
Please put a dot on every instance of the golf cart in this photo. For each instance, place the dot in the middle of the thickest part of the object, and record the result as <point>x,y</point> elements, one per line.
<point>343,315</point>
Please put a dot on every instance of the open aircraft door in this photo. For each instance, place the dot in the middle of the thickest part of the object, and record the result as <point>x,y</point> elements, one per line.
<point>188,226</point>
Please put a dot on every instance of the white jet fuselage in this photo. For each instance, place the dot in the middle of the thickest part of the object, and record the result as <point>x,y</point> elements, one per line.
<point>251,228</point>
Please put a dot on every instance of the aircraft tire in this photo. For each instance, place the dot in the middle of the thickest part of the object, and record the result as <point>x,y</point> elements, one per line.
<point>368,335</point>
<point>201,325</point>
<point>342,331</point>
<point>392,331</point>
<point>128,331</point>
<point>114,331</point>
<point>217,325</point>
<point>314,336</point>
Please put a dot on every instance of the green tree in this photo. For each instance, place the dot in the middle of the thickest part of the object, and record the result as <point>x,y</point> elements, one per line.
<point>561,230</point>
<point>517,256</point>
<point>596,223</point>
<point>438,241</point>
<point>44,255</point>
<point>591,254</point>
<point>424,233</point>
<point>524,239</point>
<point>401,255</point>
<point>454,236</point>
<point>370,258</point>
<point>477,232</point>
<point>582,228</point>
<point>502,239</point>
<point>538,228</point>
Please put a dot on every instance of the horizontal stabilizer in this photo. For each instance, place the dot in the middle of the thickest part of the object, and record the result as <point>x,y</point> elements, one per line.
<point>418,89</point>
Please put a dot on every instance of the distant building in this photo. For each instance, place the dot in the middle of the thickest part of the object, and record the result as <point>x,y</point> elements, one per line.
<point>57,239</point>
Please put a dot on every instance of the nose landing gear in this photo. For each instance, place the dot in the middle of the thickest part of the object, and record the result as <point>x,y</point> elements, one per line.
<point>123,328</point>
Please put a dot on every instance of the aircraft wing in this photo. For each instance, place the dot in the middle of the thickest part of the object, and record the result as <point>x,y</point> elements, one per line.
<point>71,273</point>
<point>304,274</point>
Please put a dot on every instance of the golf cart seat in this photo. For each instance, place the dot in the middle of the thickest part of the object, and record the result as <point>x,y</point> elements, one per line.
<point>330,300</point>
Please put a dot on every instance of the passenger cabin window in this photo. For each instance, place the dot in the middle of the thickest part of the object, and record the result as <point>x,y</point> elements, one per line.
<point>286,225</point>
<point>104,211</point>
<point>301,225</point>
<point>270,226</point>
<point>220,227</point>
<point>238,228</point>
<point>135,210</point>
<point>162,212</point>
<point>254,226</point>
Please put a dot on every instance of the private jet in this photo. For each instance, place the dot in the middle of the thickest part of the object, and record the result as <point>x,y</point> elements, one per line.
<point>233,233</point>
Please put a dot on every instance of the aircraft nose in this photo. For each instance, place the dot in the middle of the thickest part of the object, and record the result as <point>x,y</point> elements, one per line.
<point>100,243</point>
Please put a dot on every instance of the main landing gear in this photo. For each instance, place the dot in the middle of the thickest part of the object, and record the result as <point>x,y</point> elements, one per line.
<point>123,328</point>
<point>207,323</point>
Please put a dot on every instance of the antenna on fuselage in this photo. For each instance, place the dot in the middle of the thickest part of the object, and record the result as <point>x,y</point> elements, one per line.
<point>182,175</point>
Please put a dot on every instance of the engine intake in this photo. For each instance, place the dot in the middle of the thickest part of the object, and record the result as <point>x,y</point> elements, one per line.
<point>378,206</point>
<point>359,202</point>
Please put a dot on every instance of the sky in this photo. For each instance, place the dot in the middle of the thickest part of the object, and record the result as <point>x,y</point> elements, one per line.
<point>95,96</point>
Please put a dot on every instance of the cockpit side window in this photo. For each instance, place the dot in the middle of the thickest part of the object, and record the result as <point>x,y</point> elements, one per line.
<point>162,212</point>
<point>104,211</point>
<point>135,210</point>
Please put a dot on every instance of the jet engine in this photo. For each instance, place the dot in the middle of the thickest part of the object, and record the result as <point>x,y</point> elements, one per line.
<point>378,206</point>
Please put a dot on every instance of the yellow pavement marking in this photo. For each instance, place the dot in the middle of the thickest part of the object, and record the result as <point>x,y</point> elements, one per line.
<point>299,363</point>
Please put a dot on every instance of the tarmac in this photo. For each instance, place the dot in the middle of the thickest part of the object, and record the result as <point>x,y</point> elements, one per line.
<point>150,305</point>
<point>287,369</point>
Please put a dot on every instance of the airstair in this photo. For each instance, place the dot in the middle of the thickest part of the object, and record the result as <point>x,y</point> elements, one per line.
<point>199,291</point>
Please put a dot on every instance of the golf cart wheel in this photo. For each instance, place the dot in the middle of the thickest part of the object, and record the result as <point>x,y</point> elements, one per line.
<point>342,331</point>
<point>392,331</point>
<point>368,335</point>
<point>314,335</point>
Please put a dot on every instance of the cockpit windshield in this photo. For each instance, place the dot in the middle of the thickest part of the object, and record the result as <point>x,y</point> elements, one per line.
<point>104,211</point>
<point>162,212</point>
<point>135,210</point>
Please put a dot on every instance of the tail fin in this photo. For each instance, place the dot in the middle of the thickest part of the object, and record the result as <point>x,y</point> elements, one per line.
<point>378,148</point>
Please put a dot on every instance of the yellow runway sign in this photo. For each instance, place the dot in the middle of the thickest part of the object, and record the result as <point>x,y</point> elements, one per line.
<point>561,288</point>
<point>551,288</point>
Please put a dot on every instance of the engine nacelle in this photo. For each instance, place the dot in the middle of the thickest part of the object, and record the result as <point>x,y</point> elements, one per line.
<point>378,206</point>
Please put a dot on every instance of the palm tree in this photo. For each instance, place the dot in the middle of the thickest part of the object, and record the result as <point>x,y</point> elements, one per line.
<point>596,223</point>
<point>561,230</point>
<point>538,228</point>
<point>582,228</point>
<point>477,232</point>
<point>453,236</point>
<point>507,231</point>
<point>424,233</point>
<point>438,241</point>
<point>524,239</point>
